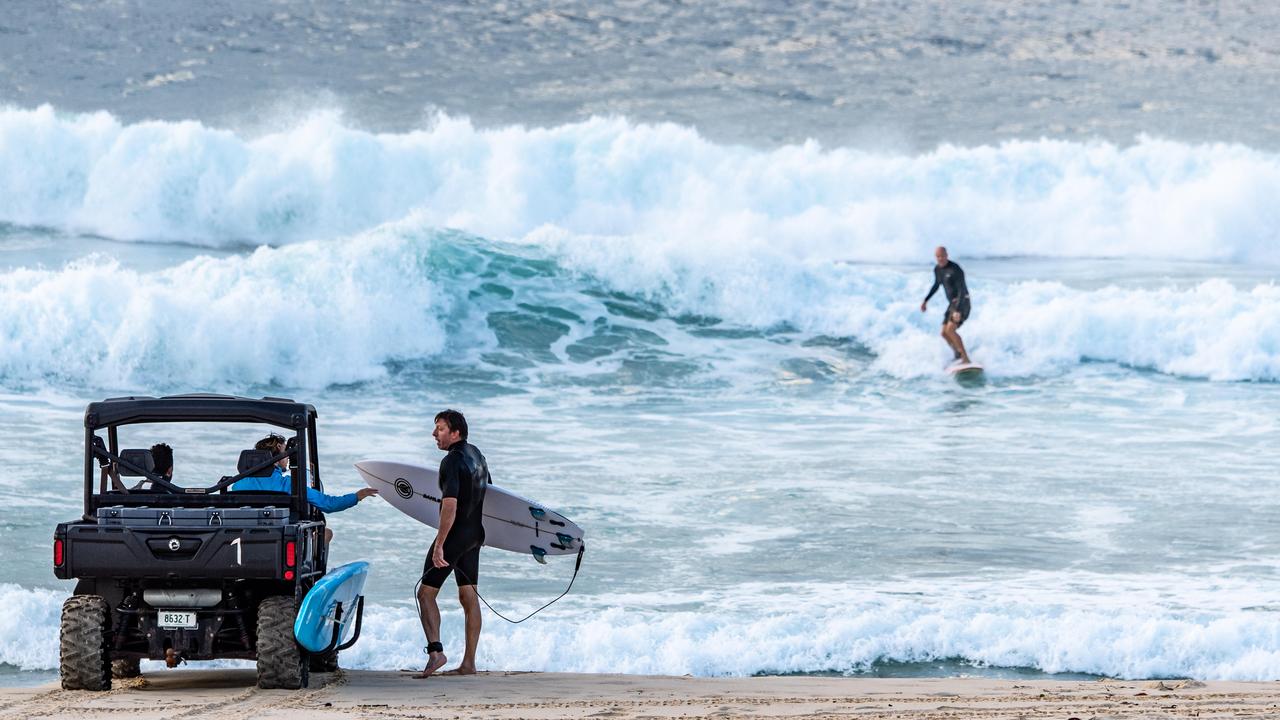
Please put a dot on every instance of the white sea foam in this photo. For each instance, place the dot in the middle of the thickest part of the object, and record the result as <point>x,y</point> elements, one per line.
<point>29,627</point>
<point>662,184</point>
<point>307,315</point>
<point>1056,637</point>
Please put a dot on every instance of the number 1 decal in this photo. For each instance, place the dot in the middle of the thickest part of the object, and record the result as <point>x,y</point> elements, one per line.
<point>236,542</point>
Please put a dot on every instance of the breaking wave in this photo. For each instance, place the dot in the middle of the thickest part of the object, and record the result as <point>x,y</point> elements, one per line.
<point>663,185</point>
<point>1123,643</point>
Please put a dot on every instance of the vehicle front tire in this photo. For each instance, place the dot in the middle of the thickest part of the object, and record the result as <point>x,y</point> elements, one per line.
<point>281,664</point>
<point>84,660</point>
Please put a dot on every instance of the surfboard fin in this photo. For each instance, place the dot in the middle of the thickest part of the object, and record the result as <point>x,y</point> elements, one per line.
<point>565,540</point>
<point>539,554</point>
<point>537,513</point>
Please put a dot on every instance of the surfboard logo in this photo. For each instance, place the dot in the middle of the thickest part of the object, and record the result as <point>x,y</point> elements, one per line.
<point>403,488</point>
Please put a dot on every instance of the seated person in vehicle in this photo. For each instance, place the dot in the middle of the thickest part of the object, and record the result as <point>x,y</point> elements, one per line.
<point>278,481</point>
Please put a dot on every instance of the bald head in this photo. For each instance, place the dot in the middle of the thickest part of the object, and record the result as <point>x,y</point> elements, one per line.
<point>940,254</point>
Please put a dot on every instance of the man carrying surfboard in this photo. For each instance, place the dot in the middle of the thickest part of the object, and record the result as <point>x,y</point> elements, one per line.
<point>464,476</point>
<point>950,278</point>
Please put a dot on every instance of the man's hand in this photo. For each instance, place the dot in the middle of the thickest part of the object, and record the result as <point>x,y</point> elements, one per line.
<point>955,316</point>
<point>923,305</point>
<point>437,555</point>
<point>365,492</point>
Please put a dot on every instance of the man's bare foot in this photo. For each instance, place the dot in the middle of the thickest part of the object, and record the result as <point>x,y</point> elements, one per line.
<point>435,661</point>
<point>461,670</point>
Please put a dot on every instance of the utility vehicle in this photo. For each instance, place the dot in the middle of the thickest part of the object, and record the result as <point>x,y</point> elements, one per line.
<point>189,568</point>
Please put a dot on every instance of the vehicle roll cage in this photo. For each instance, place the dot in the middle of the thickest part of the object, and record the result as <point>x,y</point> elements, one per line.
<point>114,413</point>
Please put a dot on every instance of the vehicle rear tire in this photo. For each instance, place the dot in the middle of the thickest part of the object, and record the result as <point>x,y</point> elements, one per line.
<point>280,661</point>
<point>84,660</point>
<point>126,668</point>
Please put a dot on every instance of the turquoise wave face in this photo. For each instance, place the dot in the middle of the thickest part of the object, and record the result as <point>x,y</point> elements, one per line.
<point>406,300</point>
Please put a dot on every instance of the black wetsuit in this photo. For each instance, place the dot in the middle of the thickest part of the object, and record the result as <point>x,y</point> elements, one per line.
<point>951,280</point>
<point>464,475</point>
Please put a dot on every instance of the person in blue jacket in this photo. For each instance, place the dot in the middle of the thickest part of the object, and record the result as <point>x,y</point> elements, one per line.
<point>278,481</point>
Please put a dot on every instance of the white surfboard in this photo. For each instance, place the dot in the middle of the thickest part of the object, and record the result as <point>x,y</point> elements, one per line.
<point>511,522</point>
<point>965,369</point>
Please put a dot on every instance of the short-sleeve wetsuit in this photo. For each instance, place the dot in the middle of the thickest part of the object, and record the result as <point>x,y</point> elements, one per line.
<point>951,279</point>
<point>464,476</point>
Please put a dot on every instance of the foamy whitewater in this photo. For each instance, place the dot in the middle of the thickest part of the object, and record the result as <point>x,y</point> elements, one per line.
<point>712,357</point>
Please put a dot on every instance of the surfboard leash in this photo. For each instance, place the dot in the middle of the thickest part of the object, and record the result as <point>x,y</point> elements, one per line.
<point>582,549</point>
<point>577,565</point>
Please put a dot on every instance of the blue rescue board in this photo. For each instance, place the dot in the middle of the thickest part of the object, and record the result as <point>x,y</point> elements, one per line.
<point>335,601</point>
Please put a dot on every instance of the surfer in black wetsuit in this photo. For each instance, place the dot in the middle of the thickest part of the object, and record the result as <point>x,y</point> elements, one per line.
<point>464,476</point>
<point>950,278</point>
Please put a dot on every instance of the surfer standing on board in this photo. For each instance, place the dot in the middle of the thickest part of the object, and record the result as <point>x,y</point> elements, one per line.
<point>950,278</point>
<point>464,475</point>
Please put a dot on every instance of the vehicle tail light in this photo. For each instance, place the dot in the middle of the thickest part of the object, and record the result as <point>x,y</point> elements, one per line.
<point>58,555</point>
<point>290,554</point>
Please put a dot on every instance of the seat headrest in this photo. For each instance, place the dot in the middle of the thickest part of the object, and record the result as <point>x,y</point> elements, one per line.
<point>141,457</point>
<point>252,458</point>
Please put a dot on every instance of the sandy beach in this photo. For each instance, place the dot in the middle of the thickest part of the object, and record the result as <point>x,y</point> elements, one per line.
<point>230,694</point>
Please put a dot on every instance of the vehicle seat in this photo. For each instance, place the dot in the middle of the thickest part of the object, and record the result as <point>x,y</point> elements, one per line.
<point>250,458</point>
<point>140,457</point>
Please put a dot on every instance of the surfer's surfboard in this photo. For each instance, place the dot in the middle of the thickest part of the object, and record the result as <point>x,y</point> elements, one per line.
<point>511,522</point>
<point>965,369</point>
<point>314,625</point>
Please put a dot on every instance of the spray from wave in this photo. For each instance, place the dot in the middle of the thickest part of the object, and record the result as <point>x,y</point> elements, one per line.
<point>303,316</point>
<point>661,186</point>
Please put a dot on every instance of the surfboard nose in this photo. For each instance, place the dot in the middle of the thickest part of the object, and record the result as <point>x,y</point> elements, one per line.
<point>379,469</point>
<point>377,474</point>
<point>366,471</point>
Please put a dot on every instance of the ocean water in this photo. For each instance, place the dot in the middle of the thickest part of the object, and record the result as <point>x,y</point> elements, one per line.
<point>684,309</point>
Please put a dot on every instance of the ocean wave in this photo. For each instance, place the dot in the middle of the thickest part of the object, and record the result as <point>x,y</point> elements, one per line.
<point>29,627</point>
<point>303,316</point>
<point>661,185</point>
<point>1119,642</point>
<point>320,313</point>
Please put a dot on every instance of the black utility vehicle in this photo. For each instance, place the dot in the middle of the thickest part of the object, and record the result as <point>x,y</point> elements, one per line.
<point>189,571</point>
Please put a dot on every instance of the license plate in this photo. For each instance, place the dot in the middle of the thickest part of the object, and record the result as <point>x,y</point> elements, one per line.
<point>177,619</point>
